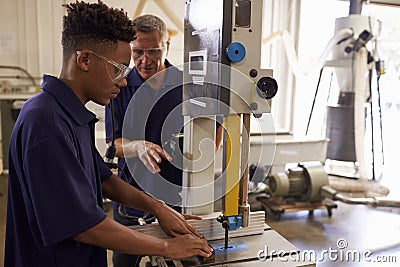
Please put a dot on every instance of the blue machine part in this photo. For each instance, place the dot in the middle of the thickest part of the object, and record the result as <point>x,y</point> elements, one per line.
<point>235,52</point>
<point>233,247</point>
<point>235,222</point>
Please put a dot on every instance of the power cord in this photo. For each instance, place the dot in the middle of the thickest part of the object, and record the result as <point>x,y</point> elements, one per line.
<point>111,150</point>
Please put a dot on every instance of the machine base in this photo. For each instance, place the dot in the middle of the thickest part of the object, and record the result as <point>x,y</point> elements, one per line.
<point>267,249</point>
<point>277,206</point>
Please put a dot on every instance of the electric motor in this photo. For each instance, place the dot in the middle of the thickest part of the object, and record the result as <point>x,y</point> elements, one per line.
<point>302,182</point>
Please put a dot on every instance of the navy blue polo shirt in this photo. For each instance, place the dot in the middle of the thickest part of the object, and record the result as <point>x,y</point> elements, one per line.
<point>54,187</point>
<point>140,113</point>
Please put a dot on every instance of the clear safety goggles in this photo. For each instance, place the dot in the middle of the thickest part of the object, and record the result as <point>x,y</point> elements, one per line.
<point>118,72</point>
<point>150,52</point>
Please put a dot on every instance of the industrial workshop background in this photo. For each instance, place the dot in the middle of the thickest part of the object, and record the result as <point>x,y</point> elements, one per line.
<point>30,39</point>
<point>295,34</point>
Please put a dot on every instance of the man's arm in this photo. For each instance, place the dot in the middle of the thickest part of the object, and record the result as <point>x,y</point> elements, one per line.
<point>172,222</point>
<point>149,153</point>
<point>112,235</point>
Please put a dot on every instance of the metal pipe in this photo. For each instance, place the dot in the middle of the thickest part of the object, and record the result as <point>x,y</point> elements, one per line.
<point>168,11</point>
<point>139,8</point>
<point>331,193</point>
<point>355,6</point>
<point>21,69</point>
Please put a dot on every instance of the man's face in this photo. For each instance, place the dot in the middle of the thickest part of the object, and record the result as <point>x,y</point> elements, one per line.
<point>148,53</point>
<point>103,87</point>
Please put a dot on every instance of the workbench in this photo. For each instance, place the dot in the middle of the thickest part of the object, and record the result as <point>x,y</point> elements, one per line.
<point>250,246</point>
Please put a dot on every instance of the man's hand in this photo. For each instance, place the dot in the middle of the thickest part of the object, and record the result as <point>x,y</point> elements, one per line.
<point>173,223</point>
<point>185,246</point>
<point>149,153</point>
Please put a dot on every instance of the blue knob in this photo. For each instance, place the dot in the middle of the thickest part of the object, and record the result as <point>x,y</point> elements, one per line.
<point>235,52</point>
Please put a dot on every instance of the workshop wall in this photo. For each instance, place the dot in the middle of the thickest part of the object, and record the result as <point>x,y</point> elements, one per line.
<point>30,31</point>
<point>30,35</point>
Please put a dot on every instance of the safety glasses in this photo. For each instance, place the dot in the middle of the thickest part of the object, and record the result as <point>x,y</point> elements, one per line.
<point>119,70</point>
<point>151,52</point>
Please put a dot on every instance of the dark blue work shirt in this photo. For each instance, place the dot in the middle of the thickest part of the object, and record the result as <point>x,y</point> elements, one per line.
<point>54,187</point>
<point>142,113</point>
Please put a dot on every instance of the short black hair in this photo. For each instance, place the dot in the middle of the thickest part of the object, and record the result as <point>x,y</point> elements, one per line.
<point>94,26</point>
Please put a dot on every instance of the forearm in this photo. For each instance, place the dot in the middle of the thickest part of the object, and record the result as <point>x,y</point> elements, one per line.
<point>112,235</point>
<point>118,190</point>
<point>122,150</point>
<point>173,223</point>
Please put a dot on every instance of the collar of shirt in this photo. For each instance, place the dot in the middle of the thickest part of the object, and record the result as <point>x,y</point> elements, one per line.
<point>68,100</point>
<point>134,79</point>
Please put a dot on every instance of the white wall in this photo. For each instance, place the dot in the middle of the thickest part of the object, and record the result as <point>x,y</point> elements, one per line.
<point>32,35</point>
<point>30,31</point>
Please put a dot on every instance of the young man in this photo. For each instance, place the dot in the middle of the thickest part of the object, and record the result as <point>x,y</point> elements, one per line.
<point>57,178</point>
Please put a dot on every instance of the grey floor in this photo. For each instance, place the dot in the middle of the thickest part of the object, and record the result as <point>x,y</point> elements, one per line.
<point>361,228</point>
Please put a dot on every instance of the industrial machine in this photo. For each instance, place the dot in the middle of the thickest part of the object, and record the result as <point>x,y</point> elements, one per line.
<point>352,128</point>
<point>223,83</point>
<point>16,86</point>
<point>306,187</point>
<point>352,146</point>
<point>223,79</point>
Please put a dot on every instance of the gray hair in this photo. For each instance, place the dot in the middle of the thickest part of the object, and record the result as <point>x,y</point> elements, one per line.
<point>150,23</point>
